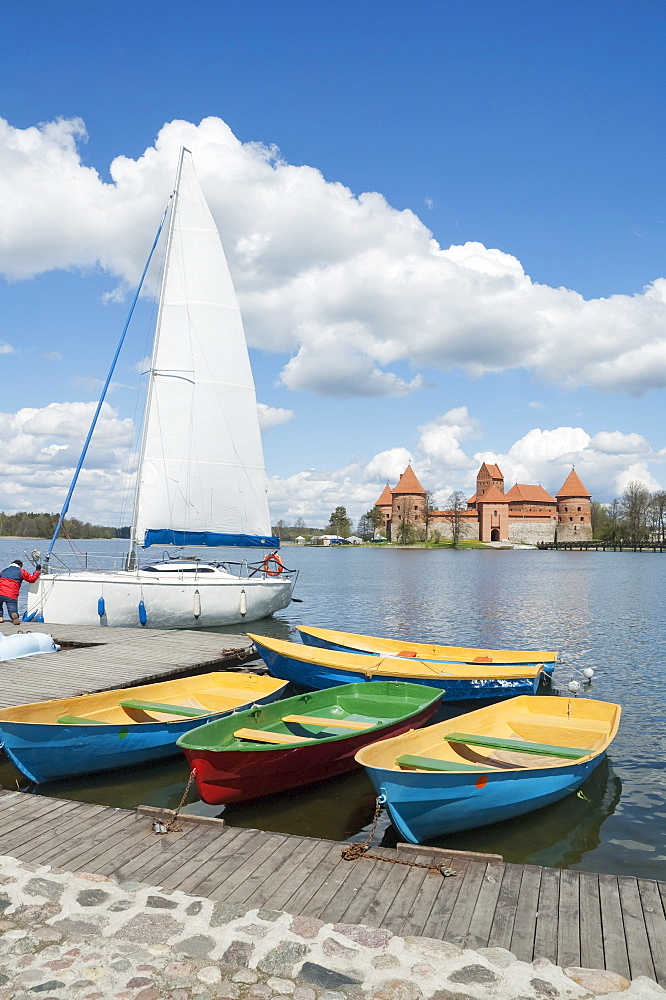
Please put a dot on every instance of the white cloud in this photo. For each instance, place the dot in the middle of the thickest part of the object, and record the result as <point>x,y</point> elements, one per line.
<point>6,348</point>
<point>617,443</point>
<point>52,356</point>
<point>348,286</point>
<point>272,416</point>
<point>441,438</point>
<point>42,447</point>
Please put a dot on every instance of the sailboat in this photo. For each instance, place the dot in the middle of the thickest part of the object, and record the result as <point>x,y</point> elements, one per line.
<point>201,478</point>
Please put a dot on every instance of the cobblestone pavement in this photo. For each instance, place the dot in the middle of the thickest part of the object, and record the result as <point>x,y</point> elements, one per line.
<point>85,936</point>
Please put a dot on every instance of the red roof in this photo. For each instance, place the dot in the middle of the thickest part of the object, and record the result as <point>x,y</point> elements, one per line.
<point>572,487</point>
<point>524,493</point>
<point>493,495</point>
<point>494,471</point>
<point>385,499</point>
<point>408,483</point>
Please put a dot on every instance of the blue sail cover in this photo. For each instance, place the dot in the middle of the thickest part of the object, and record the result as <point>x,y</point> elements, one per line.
<point>167,536</point>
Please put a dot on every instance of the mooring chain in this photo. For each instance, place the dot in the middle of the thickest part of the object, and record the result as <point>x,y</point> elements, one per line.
<point>360,850</point>
<point>170,827</point>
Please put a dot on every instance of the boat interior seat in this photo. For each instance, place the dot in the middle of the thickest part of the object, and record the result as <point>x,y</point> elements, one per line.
<point>316,720</point>
<point>79,720</point>
<point>163,709</point>
<point>262,736</point>
<point>520,746</point>
<point>433,764</point>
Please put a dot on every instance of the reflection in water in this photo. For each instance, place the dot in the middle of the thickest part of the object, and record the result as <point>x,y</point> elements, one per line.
<point>600,609</point>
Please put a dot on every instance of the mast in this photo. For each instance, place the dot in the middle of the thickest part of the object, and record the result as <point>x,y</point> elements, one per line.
<point>131,556</point>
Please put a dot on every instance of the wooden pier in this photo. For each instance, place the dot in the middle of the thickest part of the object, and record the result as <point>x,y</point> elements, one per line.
<point>572,918</point>
<point>96,659</point>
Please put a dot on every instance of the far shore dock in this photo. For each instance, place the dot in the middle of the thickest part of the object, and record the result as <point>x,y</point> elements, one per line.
<point>572,918</point>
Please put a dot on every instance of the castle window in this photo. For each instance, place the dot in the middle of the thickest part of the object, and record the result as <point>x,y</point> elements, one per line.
<point>579,510</point>
<point>571,518</point>
<point>566,508</point>
<point>582,518</point>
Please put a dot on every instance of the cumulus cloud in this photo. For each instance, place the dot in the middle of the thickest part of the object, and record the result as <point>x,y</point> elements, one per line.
<point>41,449</point>
<point>347,285</point>
<point>6,348</point>
<point>272,416</point>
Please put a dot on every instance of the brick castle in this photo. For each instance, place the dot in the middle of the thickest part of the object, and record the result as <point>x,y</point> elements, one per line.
<point>527,513</point>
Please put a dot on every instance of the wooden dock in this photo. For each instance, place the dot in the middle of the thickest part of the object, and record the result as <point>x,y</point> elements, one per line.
<point>570,917</point>
<point>96,659</point>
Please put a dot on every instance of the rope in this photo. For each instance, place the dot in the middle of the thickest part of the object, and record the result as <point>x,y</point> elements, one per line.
<point>360,850</point>
<point>171,827</point>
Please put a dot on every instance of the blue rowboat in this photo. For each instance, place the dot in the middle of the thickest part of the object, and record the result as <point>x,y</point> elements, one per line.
<point>321,668</point>
<point>69,737</point>
<point>351,642</point>
<point>489,765</point>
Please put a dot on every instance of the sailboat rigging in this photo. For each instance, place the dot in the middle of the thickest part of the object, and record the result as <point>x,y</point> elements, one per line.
<point>201,478</point>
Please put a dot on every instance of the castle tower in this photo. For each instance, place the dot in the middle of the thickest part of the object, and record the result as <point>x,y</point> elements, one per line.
<point>487,477</point>
<point>408,502</point>
<point>574,511</point>
<point>385,505</point>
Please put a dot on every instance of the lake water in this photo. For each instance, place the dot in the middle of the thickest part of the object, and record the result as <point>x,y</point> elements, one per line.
<point>599,609</point>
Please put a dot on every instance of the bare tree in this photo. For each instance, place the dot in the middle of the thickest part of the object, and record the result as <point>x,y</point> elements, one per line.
<point>430,506</point>
<point>635,506</point>
<point>456,506</point>
<point>658,515</point>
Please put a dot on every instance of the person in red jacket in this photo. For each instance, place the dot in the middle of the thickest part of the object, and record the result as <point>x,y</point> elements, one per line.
<point>11,579</point>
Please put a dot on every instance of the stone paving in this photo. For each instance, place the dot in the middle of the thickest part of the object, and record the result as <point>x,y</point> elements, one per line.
<point>86,936</point>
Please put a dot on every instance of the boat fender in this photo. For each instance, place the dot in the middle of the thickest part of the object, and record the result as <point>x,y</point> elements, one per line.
<point>197,603</point>
<point>243,603</point>
<point>273,565</point>
<point>143,617</point>
<point>101,611</point>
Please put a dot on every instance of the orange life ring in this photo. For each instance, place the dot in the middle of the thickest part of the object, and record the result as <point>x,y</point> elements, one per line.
<point>273,565</point>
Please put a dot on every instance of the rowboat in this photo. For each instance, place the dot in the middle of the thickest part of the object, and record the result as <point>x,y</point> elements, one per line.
<point>300,740</point>
<point>350,642</point>
<point>48,740</point>
<point>489,765</point>
<point>321,668</point>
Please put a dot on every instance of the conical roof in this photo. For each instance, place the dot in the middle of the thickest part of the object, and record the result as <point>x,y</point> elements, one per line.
<point>385,498</point>
<point>408,483</point>
<point>573,487</point>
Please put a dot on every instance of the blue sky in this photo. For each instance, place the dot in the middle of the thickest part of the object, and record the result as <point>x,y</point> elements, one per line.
<point>531,134</point>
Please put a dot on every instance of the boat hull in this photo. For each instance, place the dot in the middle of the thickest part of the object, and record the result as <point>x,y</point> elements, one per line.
<point>423,806</point>
<point>50,752</point>
<point>73,599</point>
<point>322,675</point>
<point>234,775</point>
<point>351,643</point>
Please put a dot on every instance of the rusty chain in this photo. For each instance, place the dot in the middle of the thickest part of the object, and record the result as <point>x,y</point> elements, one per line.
<point>170,827</point>
<point>360,850</point>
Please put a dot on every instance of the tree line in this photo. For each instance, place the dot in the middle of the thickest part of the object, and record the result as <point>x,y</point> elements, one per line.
<point>635,517</point>
<point>25,524</point>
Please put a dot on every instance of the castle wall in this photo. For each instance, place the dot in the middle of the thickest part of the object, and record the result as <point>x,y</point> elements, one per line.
<point>469,530</point>
<point>531,532</point>
<point>568,532</point>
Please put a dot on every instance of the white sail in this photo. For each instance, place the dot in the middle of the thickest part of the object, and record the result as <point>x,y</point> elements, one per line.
<point>202,466</point>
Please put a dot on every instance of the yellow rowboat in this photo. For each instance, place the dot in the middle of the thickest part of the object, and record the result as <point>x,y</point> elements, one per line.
<point>489,765</point>
<point>47,740</point>
<point>351,642</point>
<point>321,668</point>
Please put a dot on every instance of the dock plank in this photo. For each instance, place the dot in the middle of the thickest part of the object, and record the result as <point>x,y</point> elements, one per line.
<point>501,929</point>
<point>612,925</point>
<point>635,931</point>
<point>545,937</point>
<point>591,936</point>
<point>478,934</point>
<point>655,923</point>
<point>524,929</point>
<point>568,926</point>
